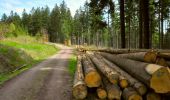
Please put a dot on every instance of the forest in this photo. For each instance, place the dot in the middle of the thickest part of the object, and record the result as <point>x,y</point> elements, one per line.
<point>102,23</point>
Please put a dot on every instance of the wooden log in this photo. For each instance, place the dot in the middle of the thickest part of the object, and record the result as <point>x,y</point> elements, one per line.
<point>123,82</point>
<point>79,86</point>
<point>166,56</point>
<point>154,76</point>
<point>92,77</point>
<point>122,51</point>
<point>111,74</point>
<point>168,62</point>
<point>113,90</point>
<point>153,96</point>
<point>101,93</point>
<point>161,61</point>
<point>138,86</point>
<point>150,57</point>
<point>130,94</point>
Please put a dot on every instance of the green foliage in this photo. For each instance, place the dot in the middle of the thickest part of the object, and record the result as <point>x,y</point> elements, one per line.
<point>14,53</point>
<point>72,65</point>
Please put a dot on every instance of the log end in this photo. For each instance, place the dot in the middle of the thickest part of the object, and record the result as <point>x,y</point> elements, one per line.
<point>150,56</point>
<point>101,93</point>
<point>80,91</point>
<point>153,96</point>
<point>160,80</point>
<point>130,94</point>
<point>162,62</point>
<point>135,97</point>
<point>114,94</point>
<point>140,88</point>
<point>93,79</point>
<point>123,83</point>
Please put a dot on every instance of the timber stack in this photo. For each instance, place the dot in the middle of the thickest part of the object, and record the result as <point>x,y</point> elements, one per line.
<point>122,75</point>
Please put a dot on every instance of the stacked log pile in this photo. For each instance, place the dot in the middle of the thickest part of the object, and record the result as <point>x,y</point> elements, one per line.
<point>102,75</point>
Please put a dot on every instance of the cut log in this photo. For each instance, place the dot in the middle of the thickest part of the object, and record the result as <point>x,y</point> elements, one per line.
<point>168,62</point>
<point>154,76</point>
<point>166,56</point>
<point>123,82</point>
<point>111,74</point>
<point>130,94</point>
<point>140,87</point>
<point>139,56</point>
<point>153,96</point>
<point>113,90</point>
<point>101,93</point>
<point>161,61</point>
<point>92,77</point>
<point>79,86</point>
<point>150,57</point>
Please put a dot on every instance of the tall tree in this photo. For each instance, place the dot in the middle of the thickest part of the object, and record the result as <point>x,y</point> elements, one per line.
<point>122,23</point>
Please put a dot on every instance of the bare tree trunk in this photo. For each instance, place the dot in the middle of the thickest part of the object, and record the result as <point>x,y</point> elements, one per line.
<point>122,24</point>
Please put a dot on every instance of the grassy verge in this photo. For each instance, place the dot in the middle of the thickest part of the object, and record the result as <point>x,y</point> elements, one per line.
<point>16,53</point>
<point>72,64</point>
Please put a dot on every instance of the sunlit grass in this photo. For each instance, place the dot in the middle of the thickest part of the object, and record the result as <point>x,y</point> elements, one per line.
<point>22,51</point>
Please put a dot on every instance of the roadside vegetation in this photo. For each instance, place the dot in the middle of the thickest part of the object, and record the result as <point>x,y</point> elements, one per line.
<point>72,64</point>
<point>20,53</point>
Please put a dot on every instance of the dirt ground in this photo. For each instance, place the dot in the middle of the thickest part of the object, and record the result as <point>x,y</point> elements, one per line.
<point>49,80</point>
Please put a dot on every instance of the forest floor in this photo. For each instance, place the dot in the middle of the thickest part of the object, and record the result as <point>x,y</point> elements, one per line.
<point>49,80</point>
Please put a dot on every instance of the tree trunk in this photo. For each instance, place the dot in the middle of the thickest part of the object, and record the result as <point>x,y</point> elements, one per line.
<point>92,77</point>
<point>162,29</point>
<point>122,23</point>
<point>146,24</point>
<point>111,74</point>
<point>113,91</point>
<point>140,24</point>
<point>146,73</point>
<point>79,86</point>
<point>140,88</point>
<point>130,94</point>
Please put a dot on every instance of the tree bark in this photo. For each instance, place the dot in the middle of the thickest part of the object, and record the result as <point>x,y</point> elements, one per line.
<point>146,24</point>
<point>122,23</point>
<point>79,86</point>
<point>146,73</point>
<point>140,24</point>
<point>92,77</point>
<point>123,82</point>
<point>111,74</point>
<point>140,87</point>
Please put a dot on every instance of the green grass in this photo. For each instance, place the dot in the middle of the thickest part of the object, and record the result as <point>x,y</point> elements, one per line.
<point>72,65</point>
<point>19,52</point>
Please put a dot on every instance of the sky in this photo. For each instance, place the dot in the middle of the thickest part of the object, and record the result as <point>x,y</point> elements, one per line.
<point>18,5</point>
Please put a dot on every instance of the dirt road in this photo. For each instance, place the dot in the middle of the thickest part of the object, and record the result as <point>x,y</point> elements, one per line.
<point>49,80</point>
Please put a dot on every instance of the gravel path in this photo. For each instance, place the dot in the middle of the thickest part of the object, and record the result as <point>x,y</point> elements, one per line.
<point>49,80</point>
